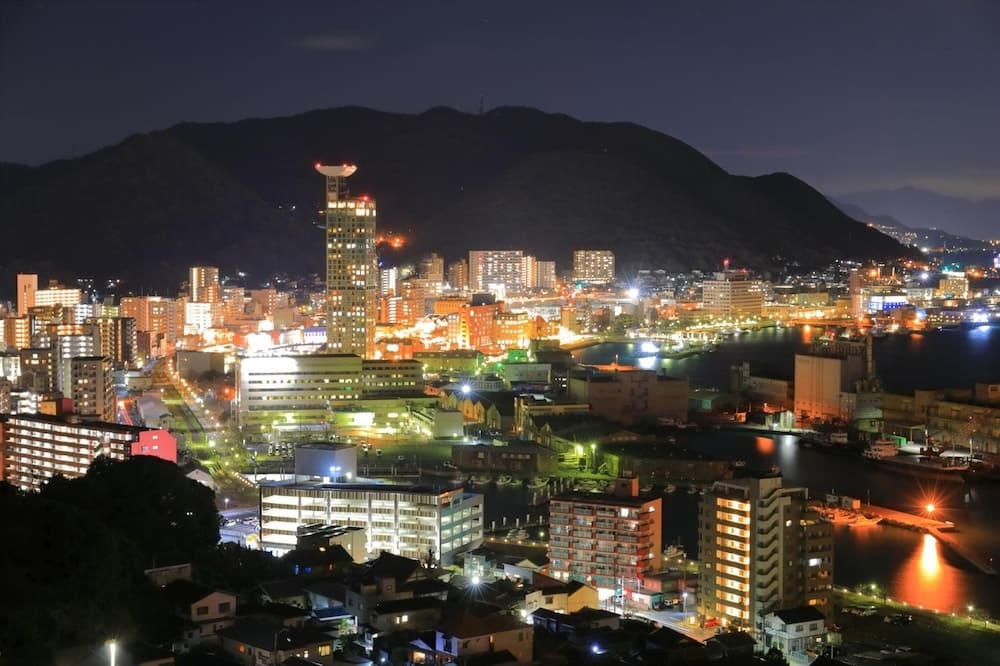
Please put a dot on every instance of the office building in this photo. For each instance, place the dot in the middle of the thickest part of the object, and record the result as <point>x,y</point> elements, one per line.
<point>411,521</point>
<point>496,267</point>
<point>351,266</point>
<point>733,294</point>
<point>92,389</point>
<point>17,332</point>
<point>302,391</point>
<point>36,447</point>
<point>203,284</point>
<point>762,548</point>
<point>594,267</point>
<point>610,541</point>
<point>27,285</point>
<point>627,394</point>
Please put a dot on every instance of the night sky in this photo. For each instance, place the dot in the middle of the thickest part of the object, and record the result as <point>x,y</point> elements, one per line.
<point>847,95</point>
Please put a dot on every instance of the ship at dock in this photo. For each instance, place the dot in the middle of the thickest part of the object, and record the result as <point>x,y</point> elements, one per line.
<point>927,464</point>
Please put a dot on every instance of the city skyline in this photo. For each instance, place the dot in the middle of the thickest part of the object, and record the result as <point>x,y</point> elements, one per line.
<point>849,97</point>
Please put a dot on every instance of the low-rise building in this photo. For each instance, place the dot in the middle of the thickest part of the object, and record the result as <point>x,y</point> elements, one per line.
<point>794,630</point>
<point>567,597</point>
<point>209,609</point>
<point>413,521</point>
<point>466,635</point>
<point>253,642</point>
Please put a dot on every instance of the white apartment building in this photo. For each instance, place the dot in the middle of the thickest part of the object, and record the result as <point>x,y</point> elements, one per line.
<point>410,521</point>
<point>496,267</point>
<point>594,266</point>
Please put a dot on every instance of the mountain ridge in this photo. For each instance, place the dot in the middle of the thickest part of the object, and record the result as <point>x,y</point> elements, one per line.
<point>243,195</point>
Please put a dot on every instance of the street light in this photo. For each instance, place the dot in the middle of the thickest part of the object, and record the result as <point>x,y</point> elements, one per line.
<point>226,500</point>
<point>112,652</point>
<point>970,609</point>
<point>684,602</point>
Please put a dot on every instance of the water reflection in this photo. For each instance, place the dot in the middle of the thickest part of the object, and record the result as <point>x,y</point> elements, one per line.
<point>765,445</point>
<point>926,580</point>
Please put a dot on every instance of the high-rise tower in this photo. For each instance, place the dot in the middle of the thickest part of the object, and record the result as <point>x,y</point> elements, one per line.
<point>351,266</point>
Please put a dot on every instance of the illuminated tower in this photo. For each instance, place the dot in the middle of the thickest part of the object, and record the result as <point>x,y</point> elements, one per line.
<point>351,266</point>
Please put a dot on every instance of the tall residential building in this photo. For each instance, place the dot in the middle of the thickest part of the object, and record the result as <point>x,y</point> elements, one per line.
<point>411,521</point>
<point>545,275</point>
<point>496,267</point>
<point>92,388</point>
<point>733,294</point>
<point>458,275</point>
<point>610,541</point>
<point>432,267</point>
<point>118,340</point>
<point>529,269</point>
<point>203,284</point>
<point>17,332</point>
<point>594,266</point>
<point>161,318</point>
<point>351,266</point>
<point>762,548</point>
<point>36,447</point>
<point>27,285</point>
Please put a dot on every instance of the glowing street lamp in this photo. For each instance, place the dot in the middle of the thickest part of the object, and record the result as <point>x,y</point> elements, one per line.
<point>112,652</point>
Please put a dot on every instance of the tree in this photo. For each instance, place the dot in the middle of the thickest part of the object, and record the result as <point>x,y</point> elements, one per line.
<point>68,578</point>
<point>150,501</point>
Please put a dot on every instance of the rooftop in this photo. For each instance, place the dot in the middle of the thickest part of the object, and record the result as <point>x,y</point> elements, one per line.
<point>604,499</point>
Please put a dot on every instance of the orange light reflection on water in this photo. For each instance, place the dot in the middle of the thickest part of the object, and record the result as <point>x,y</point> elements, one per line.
<point>765,445</point>
<point>925,581</point>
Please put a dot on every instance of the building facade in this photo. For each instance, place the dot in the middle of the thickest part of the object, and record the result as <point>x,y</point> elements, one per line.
<point>36,447</point>
<point>762,548</point>
<point>733,294</point>
<point>351,266</point>
<point>609,541</point>
<point>496,267</point>
<point>203,284</point>
<point>594,267</point>
<point>27,285</point>
<point>410,521</point>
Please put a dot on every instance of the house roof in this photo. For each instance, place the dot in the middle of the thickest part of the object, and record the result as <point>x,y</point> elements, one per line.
<point>568,588</point>
<point>387,565</point>
<point>285,588</point>
<point>408,605</point>
<point>313,557</point>
<point>468,625</point>
<point>490,658</point>
<point>327,587</point>
<point>666,637</point>
<point>734,639</point>
<point>800,614</point>
<point>427,587</point>
<point>267,635</point>
<point>183,592</point>
<point>284,611</point>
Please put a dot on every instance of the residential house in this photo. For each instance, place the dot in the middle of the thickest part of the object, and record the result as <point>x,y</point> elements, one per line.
<point>566,597</point>
<point>417,613</point>
<point>288,591</point>
<point>252,642</point>
<point>210,610</point>
<point>468,634</point>
<point>583,620</point>
<point>794,630</point>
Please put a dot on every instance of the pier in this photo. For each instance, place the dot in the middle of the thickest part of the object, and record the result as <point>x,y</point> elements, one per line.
<point>943,531</point>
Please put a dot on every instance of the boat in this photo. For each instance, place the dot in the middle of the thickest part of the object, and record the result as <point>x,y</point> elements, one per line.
<point>518,534</point>
<point>881,450</point>
<point>674,551</point>
<point>538,482</point>
<point>506,480</point>
<point>939,468</point>
<point>670,489</point>
<point>737,464</point>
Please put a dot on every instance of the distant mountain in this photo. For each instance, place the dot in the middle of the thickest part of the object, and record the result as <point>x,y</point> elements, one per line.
<point>244,196</point>
<point>861,215</point>
<point>923,209</point>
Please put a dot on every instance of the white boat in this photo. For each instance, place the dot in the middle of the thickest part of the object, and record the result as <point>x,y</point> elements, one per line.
<point>881,449</point>
<point>670,489</point>
<point>538,482</point>
<point>674,551</point>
